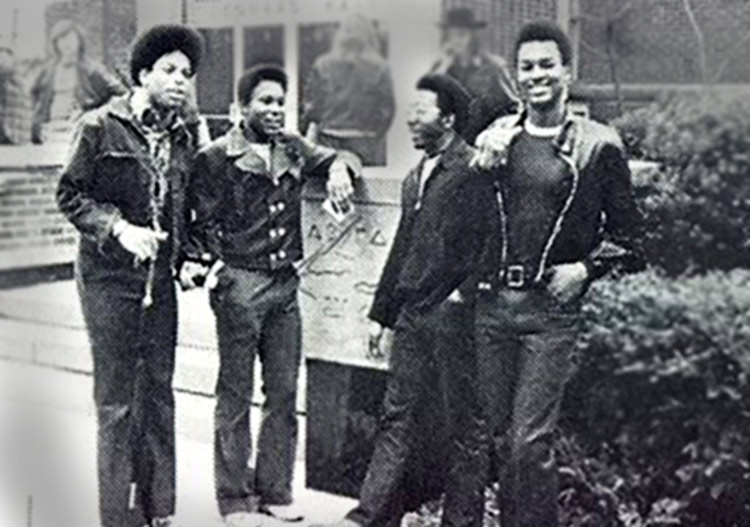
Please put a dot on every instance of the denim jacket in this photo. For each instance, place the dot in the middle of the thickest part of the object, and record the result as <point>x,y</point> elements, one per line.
<point>248,213</point>
<point>108,177</point>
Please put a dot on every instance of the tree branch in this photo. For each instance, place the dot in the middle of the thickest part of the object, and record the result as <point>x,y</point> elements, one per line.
<point>591,48</point>
<point>700,37</point>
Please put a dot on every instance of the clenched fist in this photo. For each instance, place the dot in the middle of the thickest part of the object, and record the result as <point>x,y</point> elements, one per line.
<point>492,146</point>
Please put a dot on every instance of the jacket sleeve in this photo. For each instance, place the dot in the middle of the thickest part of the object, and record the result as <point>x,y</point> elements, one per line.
<point>622,247</point>
<point>94,219</point>
<point>204,201</point>
<point>387,304</point>
<point>317,159</point>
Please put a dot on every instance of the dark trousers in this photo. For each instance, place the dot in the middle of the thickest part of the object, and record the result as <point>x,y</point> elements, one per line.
<point>133,353</point>
<point>257,314</point>
<point>524,347</point>
<point>432,352</point>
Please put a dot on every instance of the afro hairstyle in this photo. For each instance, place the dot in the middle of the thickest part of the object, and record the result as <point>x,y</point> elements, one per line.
<point>161,40</point>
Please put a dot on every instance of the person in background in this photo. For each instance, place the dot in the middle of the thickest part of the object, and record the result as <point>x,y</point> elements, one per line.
<point>564,216</point>
<point>124,189</point>
<point>70,83</point>
<point>246,194</point>
<point>348,99</point>
<point>485,76</point>
<point>15,106</point>
<point>436,247</point>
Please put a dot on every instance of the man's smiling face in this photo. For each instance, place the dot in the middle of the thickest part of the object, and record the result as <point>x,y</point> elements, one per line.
<point>542,77</point>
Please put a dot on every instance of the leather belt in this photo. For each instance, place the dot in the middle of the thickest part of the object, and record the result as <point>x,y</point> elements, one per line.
<point>515,276</point>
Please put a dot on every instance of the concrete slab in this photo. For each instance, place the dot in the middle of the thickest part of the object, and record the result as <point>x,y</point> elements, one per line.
<point>43,324</point>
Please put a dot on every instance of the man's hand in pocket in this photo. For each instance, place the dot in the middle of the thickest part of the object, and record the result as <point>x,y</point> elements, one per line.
<point>568,281</point>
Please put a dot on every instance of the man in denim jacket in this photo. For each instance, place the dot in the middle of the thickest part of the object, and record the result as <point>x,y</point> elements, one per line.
<point>123,188</point>
<point>246,193</point>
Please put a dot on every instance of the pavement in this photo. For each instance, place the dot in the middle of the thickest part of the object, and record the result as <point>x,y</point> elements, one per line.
<point>48,426</point>
<point>48,455</point>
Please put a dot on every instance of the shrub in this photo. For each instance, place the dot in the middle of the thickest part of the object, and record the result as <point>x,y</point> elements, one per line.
<point>698,207</point>
<point>661,401</point>
<point>656,421</point>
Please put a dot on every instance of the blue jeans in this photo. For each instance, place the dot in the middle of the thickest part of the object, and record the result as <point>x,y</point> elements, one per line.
<point>432,358</point>
<point>257,314</point>
<point>525,341</point>
<point>134,356</point>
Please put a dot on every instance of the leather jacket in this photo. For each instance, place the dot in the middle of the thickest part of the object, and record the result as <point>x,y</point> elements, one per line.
<point>598,224</point>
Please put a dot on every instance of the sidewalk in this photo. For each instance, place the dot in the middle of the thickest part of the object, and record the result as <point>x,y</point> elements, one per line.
<point>48,450</point>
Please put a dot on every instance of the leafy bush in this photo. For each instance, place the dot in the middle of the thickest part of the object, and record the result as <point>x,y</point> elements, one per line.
<point>656,422</point>
<point>661,401</point>
<point>698,207</point>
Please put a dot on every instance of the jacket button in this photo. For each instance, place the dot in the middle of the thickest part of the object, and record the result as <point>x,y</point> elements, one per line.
<point>280,206</point>
<point>273,257</point>
<point>273,233</point>
<point>272,209</point>
<point>282,231</point>
<point>282,255</point>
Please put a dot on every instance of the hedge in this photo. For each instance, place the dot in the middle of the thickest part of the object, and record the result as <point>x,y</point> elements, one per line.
<point>656,422</point>
<point>698,207</point>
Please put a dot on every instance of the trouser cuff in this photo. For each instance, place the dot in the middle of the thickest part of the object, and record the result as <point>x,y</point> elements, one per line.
<point>230,506</point>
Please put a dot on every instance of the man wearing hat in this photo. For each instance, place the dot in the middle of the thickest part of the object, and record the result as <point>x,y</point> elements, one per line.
<point>419,296</point>
<point>485,76</point>
<point>123,187</point>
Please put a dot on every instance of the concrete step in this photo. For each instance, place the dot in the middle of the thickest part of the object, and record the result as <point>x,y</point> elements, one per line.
<point>43,325</point>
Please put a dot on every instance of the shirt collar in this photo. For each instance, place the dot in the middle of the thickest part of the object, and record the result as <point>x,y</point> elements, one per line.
<point>143,112</point>
<point>239,146</point>
<point>548,132</point>
<point>449,154</point>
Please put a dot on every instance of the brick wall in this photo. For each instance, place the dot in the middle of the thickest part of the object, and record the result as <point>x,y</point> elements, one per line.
<point>655,43</point>
<point>32,230</point>
<point>505,18</point>
<point>653,39</point>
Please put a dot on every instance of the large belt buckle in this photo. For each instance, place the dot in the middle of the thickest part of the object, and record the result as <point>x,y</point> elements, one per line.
<point>515,276</point>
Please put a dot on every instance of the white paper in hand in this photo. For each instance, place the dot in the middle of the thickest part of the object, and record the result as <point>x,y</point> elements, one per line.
<point>338,210</point>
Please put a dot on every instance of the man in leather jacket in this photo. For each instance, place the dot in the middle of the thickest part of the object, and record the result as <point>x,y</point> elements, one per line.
<point>564,215</point>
